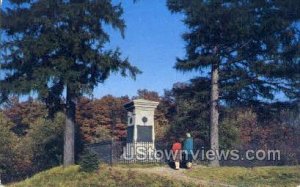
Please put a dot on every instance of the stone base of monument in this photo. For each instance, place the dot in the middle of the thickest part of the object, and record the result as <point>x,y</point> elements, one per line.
<point>139,151</point>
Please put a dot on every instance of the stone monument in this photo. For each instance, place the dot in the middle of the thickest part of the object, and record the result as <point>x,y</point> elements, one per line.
<point>140,129</point>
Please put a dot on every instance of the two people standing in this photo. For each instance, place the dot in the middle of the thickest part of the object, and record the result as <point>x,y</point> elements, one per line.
<point>183,153</point>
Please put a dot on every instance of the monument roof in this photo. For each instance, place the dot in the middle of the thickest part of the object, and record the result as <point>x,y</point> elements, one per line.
<point>141,103</point>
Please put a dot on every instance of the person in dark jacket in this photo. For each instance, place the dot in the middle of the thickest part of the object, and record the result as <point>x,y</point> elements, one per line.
<point>188,147</point>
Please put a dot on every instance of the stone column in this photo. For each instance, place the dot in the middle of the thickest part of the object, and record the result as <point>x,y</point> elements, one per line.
<point>140,128</point>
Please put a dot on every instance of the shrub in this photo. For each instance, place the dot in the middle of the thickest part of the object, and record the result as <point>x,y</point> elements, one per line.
<point>88,161</point>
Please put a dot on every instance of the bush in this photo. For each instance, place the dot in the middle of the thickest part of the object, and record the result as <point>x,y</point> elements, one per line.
<point>88,161</point>
<point>7,149</point>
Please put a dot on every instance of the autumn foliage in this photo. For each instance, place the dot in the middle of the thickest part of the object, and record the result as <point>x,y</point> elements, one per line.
<point>102,119</point>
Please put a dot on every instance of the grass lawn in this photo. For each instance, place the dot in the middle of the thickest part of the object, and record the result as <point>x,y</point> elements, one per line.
<point>71,177</point>
<point>240,176</point>
<point>140,165</point>
<point>153,175</point>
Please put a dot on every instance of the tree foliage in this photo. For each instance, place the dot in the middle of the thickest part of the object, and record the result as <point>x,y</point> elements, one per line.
<point>51,44</point>
<point>248,49</point>
<point>256,45</point>
<point>46,141</point>
<point>7,141</point>
<point>188,113</point>
<point>97,117</point>
<point>88,161</point>
<point>23,114</point>
<point>40,148</point>
<point>56,46</point>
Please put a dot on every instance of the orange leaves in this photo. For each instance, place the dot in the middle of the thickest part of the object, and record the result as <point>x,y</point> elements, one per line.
<point>96,118</point>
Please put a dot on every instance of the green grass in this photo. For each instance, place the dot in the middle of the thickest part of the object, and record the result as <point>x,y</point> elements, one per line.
<point>140,165</point>
<point>258,176</point>
<point>72,177</point>
<point>120,176</point>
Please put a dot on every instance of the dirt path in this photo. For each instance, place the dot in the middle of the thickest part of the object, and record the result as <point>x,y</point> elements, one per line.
<point>177,175</point>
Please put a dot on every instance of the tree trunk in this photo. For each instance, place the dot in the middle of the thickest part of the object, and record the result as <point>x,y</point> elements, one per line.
<point>69,139</point>
<point>214,112</point>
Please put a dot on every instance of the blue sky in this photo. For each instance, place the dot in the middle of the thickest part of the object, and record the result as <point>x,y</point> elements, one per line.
<point>152,42</point>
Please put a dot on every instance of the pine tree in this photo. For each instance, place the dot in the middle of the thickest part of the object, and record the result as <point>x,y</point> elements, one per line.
<point>89,161</point>
<point>52,47</point>
<point>250,49</point>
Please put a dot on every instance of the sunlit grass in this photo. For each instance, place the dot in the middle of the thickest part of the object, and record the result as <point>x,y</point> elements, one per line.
<point>240,176</point>
<point>140,165</point>
<point>107,176</point>
<point>116,176</point>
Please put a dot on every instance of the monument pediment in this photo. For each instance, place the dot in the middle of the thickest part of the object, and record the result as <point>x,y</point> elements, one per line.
<point>141,103</point>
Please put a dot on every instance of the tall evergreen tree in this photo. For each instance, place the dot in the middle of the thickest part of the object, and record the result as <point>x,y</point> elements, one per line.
<point>52,47</point>
<point>249,47</point>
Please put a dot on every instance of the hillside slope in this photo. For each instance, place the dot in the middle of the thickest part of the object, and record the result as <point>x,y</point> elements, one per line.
<point>71,177</point>
<point>156,176</point>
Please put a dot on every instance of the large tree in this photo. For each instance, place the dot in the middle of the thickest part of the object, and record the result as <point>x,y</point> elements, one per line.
<point>56,49</point>
<point>248,49</point>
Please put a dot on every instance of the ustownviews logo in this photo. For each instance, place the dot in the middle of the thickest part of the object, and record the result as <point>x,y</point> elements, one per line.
<point>143,153</point>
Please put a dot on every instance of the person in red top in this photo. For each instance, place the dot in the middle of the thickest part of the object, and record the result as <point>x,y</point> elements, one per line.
<point>176,152</point>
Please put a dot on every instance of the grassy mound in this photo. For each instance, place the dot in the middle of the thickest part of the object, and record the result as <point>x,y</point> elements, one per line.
<point>122,176</point>
<point>258,176</point>
<point>72,177</point>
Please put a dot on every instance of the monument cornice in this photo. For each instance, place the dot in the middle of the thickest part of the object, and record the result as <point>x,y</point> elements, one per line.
<point>141,103</point>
